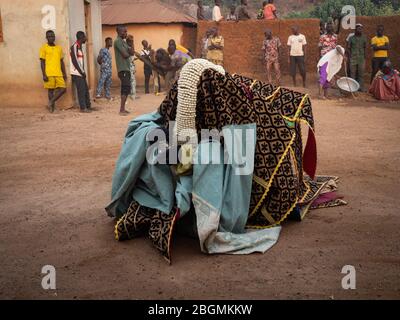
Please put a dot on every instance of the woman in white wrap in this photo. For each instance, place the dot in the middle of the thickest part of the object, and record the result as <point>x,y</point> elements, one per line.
<point>329,65</point>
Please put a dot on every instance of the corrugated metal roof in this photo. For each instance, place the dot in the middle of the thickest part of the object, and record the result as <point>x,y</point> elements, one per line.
<point>116,12</point>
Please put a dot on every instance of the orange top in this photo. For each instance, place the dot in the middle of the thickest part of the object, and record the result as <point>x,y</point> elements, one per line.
<point>269,11</point>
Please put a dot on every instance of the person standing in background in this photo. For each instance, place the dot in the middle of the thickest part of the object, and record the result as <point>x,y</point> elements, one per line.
<point>204,42</point>
<point>130,41</point>
<point>53,70</point>
<point>380,46</point>
<point>78,72</point>
<point>297,51</point>
<point>200,11</point>
<point>357,52</point>
<point>271,50</point>
<point>105,60</point>
<point>177,61</point>
<point>148,71</point>
<point>231,16</point>
<point>270,10</point>
<point>328,66</point>
<point>123,53</point>
<point>216,13</point>
<point>327,41</point>
<point>242,11</point>
<point>215,48</point>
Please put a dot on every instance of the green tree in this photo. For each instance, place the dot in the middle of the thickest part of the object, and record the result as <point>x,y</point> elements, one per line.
<point>331,8</point>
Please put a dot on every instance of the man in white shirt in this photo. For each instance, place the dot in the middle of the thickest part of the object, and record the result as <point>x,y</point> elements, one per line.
<point>297,50</point>
<point>216,13</point>
<point>78,72</point>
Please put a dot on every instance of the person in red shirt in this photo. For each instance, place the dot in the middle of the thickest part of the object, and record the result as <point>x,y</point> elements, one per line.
<point>270,10</point>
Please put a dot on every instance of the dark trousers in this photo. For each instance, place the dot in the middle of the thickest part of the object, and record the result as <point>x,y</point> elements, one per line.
<point>376,66</point>
<point>357,73</point>
<point>82,90</point>
<point>147,82</point>
<point>297,61</point>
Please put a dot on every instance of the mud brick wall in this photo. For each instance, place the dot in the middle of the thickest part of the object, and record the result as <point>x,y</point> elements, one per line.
<point>243,41</point>
<point>189,37</point>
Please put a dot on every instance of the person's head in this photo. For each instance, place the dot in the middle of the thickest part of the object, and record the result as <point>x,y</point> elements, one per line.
<point>81,37</point>
<point>386,67</point>
<point>233,9</point>
<point>122,31</point>
<point>334,14</point>
<point>243,2</point>
<point>109,42</point>
<point>200,3</point>
<point>359,29</point>
<point>270,1</point>
<point>145,44</point>
<point>214,32</point>
<point>265,3</point>
<point>171,48</point>
<point>208,33</point>
<point>162,55</point>
<point>268,34</point>
<point>218,3</point>
<point>51,37</point>
<point>329,28</point>
<point>379,30</point>
<point>295,30</point>
<point>171,43</point>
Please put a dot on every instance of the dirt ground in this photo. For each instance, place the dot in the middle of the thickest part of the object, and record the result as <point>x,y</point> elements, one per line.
<point>55,180</point>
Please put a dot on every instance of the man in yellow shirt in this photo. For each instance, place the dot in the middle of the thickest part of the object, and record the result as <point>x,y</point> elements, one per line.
<point>380,46</point>
<point>53,69</point>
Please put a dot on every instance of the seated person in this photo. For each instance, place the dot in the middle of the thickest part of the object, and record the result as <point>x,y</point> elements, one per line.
<point>386,84</point>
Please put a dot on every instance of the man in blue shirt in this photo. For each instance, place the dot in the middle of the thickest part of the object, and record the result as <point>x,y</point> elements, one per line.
<point>105,61</point>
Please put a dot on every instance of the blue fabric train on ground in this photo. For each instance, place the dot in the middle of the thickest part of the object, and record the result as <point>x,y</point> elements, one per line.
<point>233,191</point>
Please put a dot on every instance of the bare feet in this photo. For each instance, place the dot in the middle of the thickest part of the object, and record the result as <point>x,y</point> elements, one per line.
<point>51,106</point>
<point>124,113</point>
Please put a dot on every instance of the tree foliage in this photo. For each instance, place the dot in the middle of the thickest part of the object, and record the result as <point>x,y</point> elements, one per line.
<point>331,8</point>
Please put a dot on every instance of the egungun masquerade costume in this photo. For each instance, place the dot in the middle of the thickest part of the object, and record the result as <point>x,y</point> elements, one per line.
<point>228,212</point>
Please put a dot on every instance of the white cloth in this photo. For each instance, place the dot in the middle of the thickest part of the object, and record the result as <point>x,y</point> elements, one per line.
<point>334,59</point>
<point>79,55</point>
<point>349,36</point>
<point>296,44</point>
<point>145,52</point>
<point>216,14</point>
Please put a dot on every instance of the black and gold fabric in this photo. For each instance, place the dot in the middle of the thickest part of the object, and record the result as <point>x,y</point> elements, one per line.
<point>139,220</point>
<point>278,184</point>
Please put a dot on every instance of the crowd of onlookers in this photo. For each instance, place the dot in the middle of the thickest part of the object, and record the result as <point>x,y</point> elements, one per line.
<point>237,13</point>
<point>166,64</point>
